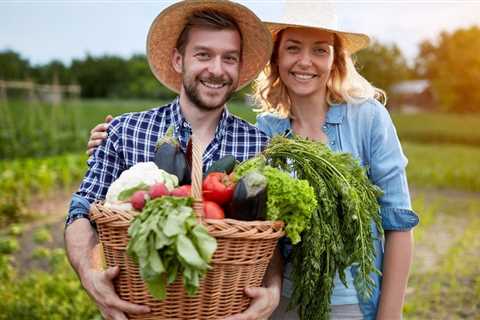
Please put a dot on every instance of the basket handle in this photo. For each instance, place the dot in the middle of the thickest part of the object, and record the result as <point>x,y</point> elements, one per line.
<point>197,177</point>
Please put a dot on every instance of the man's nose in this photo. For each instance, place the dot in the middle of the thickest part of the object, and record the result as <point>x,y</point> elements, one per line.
<point>216,66</point>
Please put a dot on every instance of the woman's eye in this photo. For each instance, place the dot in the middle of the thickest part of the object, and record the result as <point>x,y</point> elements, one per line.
<point>321,51</point>
<point>292,49</point>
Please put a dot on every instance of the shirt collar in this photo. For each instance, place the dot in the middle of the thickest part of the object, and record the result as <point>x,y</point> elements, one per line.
<point>177,118</point>
<point>180,122</point>
<point>336,113</point>
<point>223,123</point>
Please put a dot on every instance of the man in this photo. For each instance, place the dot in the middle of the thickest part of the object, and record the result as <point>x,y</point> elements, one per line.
<point>205,50</point>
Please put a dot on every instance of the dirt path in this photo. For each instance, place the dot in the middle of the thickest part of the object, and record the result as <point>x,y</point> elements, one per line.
<point>49,214</point>
<point>443,229</point>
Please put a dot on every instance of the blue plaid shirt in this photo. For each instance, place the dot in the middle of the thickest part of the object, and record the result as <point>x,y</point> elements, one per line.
<point>132,138</point>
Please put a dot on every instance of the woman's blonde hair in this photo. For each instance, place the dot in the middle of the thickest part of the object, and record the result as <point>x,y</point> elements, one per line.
<point>345,84</point>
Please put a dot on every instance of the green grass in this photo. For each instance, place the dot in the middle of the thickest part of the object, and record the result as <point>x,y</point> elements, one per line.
<point>36,130</point>
<point>438,128</point>
<point>42,295</point>
<point>21,179</point>
<point>39,130</point>
<point>443,166</point>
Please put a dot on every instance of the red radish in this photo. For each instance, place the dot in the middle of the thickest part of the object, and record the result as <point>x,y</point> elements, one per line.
<point>158,190</point>
<point>138,199</point>
<point>182,191</point>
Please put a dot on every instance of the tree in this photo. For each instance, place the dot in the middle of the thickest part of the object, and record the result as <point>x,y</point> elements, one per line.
<point>53,71</point>
<point>453,67</point>
<point>101,77</point>
<point>142,83</point>
<point>383,65</point>
<point>12,66</point>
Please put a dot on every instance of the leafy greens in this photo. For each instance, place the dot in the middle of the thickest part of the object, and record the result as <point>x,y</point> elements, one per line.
<point>167,240</point>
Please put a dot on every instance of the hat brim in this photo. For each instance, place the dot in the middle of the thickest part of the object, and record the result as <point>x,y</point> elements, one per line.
<point>352,42</point>
<point>167,26</point>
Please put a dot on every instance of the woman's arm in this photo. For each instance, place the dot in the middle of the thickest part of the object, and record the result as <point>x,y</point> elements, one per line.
<point>396,266</point>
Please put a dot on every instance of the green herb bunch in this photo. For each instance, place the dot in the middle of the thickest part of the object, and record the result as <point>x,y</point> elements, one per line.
<point>288,199</point>
<point>340,231</point>
<point>167,240</point>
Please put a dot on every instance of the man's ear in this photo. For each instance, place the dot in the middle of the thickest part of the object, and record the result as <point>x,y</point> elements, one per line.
<point>177,61</point>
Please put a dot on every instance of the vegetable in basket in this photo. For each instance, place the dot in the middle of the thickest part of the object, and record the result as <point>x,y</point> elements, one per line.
<point>169,157</point>
<point>166,241</point>
<point>249,200</point>
<point>289,199</point>
<point>138,177</point>
<point>218,187</point>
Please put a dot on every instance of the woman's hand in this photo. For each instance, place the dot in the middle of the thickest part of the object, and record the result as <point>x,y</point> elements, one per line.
<point>264,302</point>
<point>97,135</point>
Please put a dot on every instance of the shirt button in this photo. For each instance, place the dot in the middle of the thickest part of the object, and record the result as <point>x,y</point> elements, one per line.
<point>332,142</point>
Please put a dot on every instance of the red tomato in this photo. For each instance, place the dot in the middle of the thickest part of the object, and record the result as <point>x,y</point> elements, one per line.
<point>218,187</point>
<point>182,191</point>
<point>213,210</point>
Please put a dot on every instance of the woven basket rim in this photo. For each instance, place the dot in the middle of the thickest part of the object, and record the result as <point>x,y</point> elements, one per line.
<point>117,219</point>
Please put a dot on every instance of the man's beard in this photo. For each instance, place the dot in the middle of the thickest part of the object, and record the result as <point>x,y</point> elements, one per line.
<point>191,90</point>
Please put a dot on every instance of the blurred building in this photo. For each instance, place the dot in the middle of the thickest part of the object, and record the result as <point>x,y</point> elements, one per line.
<point>411,96</point>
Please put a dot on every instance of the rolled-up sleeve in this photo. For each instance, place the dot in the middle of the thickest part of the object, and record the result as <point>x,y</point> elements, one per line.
<point>387,170</point>
<point>105,166</point>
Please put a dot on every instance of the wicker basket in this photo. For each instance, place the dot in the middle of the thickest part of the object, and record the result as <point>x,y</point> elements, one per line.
<point>244,250</point>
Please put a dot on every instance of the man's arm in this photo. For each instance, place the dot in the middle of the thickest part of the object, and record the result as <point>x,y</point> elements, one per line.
<point>80,242</point>
<point>81,238</point>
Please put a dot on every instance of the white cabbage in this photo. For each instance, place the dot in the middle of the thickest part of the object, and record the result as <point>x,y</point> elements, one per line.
<point>142,172</point>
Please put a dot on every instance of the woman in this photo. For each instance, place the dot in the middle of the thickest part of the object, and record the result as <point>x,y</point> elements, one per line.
<point>311,88</point>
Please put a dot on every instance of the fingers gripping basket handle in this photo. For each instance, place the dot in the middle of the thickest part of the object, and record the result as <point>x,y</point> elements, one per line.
<point>197,177</point>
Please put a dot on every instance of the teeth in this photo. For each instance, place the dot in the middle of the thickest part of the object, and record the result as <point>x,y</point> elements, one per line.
<point>303,76</point>
<point>212,85</point>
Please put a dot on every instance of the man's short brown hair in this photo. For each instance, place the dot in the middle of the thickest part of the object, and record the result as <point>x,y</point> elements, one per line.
<point>206,19</point>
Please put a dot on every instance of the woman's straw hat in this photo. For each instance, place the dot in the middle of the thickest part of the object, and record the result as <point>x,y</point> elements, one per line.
<point>167,26</point>
<point>317,15</point>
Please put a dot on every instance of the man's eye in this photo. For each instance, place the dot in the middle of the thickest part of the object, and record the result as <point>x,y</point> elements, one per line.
<point>202,55</point>
<point>231,59</point>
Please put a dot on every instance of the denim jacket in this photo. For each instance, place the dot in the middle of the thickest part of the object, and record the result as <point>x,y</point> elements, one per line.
<point>366,131</point>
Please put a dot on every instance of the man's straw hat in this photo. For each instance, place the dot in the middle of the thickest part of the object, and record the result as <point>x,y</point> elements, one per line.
<point>167,26</point>
<point>317,15</point>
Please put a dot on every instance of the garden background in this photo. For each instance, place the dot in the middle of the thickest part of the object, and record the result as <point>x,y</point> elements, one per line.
<point>42,160</point>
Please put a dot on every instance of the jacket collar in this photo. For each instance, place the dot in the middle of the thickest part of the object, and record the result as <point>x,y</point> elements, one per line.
<point>336,113</point>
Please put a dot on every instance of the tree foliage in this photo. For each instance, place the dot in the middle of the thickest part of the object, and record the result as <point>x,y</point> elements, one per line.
<point>13,66</point>
<point>99,77</point>
<point>452,64</point>
<point>383,65</point>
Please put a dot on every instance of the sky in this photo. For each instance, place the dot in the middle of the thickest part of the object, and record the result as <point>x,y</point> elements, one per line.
<point>45,30</point>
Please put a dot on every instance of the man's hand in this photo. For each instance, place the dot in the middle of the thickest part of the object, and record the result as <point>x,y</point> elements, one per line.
<point>99,285</point>
<point>264,302</point>
<point>97,135</point>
